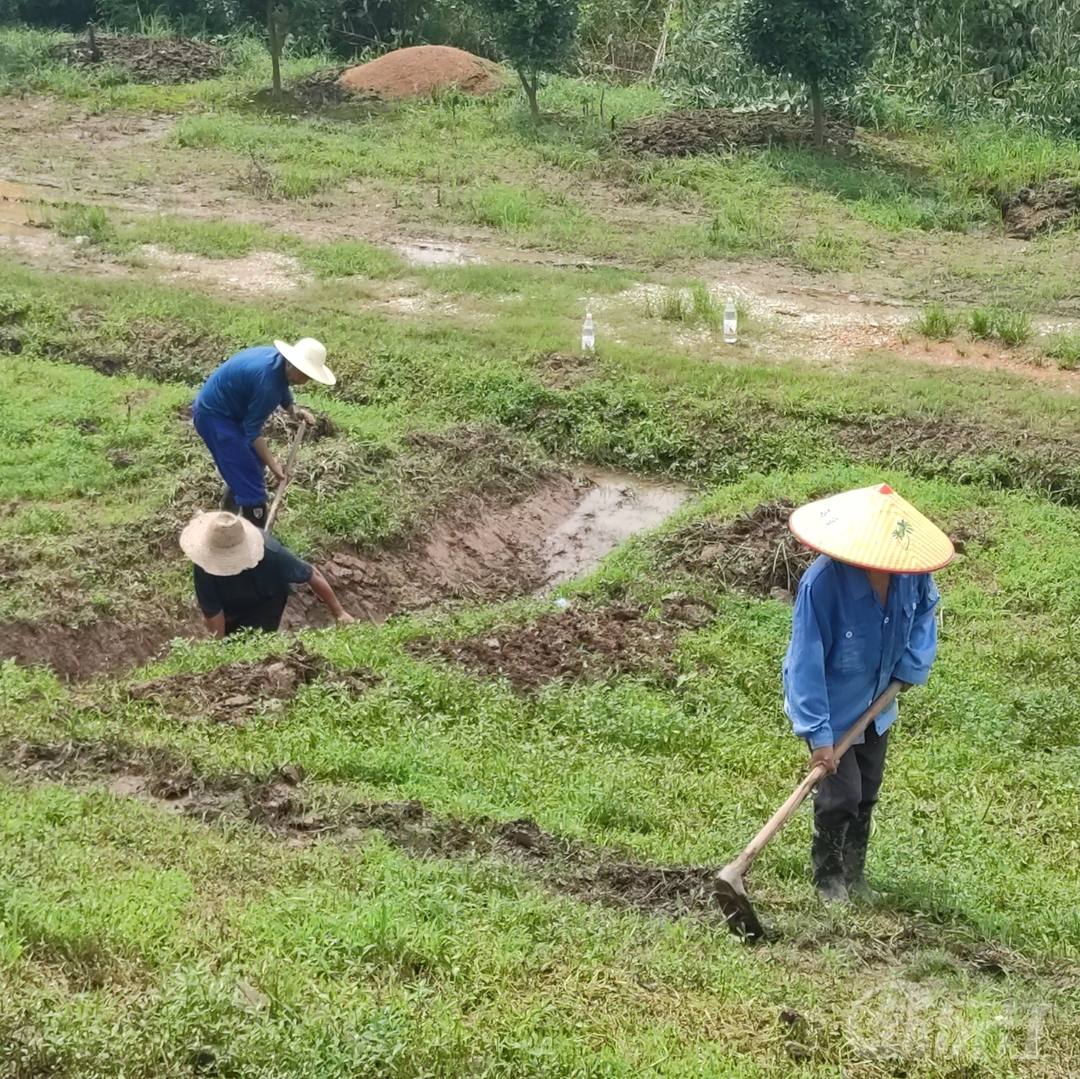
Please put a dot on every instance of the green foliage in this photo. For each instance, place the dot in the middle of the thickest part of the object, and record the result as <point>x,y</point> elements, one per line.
<point>937,322</point>
<point>535,36</point>
<point>823,44</point>
<point>1065,351</point>
<point>1011,327</point>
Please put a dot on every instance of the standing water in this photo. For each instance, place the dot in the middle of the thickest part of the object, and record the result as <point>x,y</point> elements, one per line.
<point>731,322</point>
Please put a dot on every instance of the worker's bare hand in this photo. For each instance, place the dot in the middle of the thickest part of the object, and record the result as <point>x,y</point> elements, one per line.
<point>824,756</point>
<point>345,619</point>
<point>278,471</point>
<point>307,417</point>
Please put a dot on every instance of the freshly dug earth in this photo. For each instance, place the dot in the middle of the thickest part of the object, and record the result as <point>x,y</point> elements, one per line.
<point>704,131</point>
<point>421,70</point>
<point>1032,210</point>
<point>277,802</point>
<point>234,692</point>
<point>754,553</point>
<point>573,644</point>
<point>149,59</point>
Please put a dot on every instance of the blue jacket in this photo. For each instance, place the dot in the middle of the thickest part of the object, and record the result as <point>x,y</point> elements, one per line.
<point>845,649</point>
<point>246,388</point>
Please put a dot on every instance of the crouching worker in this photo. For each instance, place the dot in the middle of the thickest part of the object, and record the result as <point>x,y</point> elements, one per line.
<point>864,615</point>
<point>243,576</point>
<point>234,403</point>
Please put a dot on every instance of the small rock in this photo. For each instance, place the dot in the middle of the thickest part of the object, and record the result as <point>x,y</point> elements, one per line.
<point>292,773</point>
<point>713,553</point>
<point>493,642</point>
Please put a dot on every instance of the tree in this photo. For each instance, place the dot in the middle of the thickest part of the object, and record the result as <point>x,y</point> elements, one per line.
<point>536,36</point>
<point>824,44</point>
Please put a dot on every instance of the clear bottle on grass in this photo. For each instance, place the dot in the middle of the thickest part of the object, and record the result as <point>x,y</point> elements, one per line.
<point>588,334</point>
<point>731,322</point>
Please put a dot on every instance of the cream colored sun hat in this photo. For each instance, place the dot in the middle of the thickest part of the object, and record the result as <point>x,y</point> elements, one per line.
<point>873,528</point>
<point>309,356</point>
<point>222,543</point>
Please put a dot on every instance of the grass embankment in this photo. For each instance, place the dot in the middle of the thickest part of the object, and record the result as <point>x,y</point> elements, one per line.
<point>182,946</point>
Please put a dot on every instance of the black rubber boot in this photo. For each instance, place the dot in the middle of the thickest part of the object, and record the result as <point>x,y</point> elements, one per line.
<point>255,514</point>
<point>856,842</point>
<point>827,859</point>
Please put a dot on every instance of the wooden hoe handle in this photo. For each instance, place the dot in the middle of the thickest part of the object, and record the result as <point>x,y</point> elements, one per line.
<point>813,777</point>
<point>289,462</point>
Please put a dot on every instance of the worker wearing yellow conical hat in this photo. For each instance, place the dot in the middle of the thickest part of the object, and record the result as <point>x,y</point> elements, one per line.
<point>864,615</point>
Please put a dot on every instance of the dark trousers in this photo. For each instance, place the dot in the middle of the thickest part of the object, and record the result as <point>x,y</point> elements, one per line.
<point>266,616</point>
<point>852,790</point>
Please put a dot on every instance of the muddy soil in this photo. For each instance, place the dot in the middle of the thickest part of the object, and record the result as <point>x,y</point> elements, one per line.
<point>754,553</point>
<point>574,644</point>
<point>705,131</point>
<point>422,70</point>
<point>279,803</point>
<point>1033,210</point>
<point>148,59</point>
<point>235,692</point>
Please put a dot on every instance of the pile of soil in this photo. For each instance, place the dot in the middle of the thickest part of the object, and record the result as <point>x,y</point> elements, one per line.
<point>421,70</point>
<point>1032,210</point>
<point>148,59</point>
<point>754,553</point>
<point>571,645</point>
<point>234,692</point>
<point>705,131</point>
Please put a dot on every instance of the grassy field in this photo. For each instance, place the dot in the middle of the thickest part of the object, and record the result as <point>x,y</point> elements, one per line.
<point>403,868</point>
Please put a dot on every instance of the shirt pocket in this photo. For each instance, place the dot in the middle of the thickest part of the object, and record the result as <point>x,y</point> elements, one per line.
<point>849,652</point>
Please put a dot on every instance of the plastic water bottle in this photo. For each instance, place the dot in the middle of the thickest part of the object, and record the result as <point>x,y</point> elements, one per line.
<point>731,323</point>
<point>588,334</point>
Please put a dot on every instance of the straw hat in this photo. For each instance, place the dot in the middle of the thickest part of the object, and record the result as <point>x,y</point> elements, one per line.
<point>873,528</point>
<point>222,543</point>
<point>309,356</point>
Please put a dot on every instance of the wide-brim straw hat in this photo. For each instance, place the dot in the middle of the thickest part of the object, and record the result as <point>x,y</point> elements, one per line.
<point>222,543</point>
<point>873,528</point>
<point>309,356</point>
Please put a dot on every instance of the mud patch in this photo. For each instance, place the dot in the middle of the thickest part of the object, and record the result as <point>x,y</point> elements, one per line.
<point>569,645</point>
<point>754,553</point>
<point>147,59</point>
<point>1031,210</point>
<point>705,131</point>
<point>234,692</point>
<point>81,652</point>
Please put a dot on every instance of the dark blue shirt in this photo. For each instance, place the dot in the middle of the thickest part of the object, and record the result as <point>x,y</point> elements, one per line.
<point>243,592</point>
<point>846,648</point>
<point>246,388</point>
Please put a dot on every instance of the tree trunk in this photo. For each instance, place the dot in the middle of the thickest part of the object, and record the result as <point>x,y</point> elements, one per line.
<point>819,115</point>
<point>531,89</point>
<point>275,46</point>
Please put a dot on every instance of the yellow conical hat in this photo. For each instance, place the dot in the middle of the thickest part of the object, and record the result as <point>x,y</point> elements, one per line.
<point>873,528</point>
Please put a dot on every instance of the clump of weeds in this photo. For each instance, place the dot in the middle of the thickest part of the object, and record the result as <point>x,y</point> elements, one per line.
<point>1010,327</point>
<point>1064,351</point>
<point>693,305</point>
<point>936,322</point>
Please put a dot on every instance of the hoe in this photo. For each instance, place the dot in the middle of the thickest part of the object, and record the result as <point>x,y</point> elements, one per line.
<point>729,889</point>
<point>290,462</point>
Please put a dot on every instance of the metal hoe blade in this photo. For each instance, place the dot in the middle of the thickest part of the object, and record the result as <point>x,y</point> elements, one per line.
<point>730,893</point>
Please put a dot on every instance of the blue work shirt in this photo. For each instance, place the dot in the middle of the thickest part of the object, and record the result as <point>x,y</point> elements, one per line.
<point>246,388</point>
<point>845,648</point>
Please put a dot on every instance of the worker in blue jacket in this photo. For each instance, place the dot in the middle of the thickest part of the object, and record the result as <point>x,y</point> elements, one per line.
<point>864,616</point>
<point>234,403</point>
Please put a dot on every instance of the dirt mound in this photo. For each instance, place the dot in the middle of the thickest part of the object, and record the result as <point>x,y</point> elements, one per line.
<point>705,131</point>
<point>234,692</point>
<point>1032,210</point>
<point>422,70</point>
<point>754,553</point>
<point>574,644</point>
<point>148,59</point>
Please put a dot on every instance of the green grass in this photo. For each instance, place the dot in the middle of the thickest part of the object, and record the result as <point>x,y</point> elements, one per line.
<point>1065,351</point>
<point>1011,327</point>
<point>937,322</point>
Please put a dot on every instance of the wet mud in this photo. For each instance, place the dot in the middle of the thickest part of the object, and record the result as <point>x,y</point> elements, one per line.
<point>281,804</point>
<point>753,553</point>
<point>234,692</point>
<point>574,644</point>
